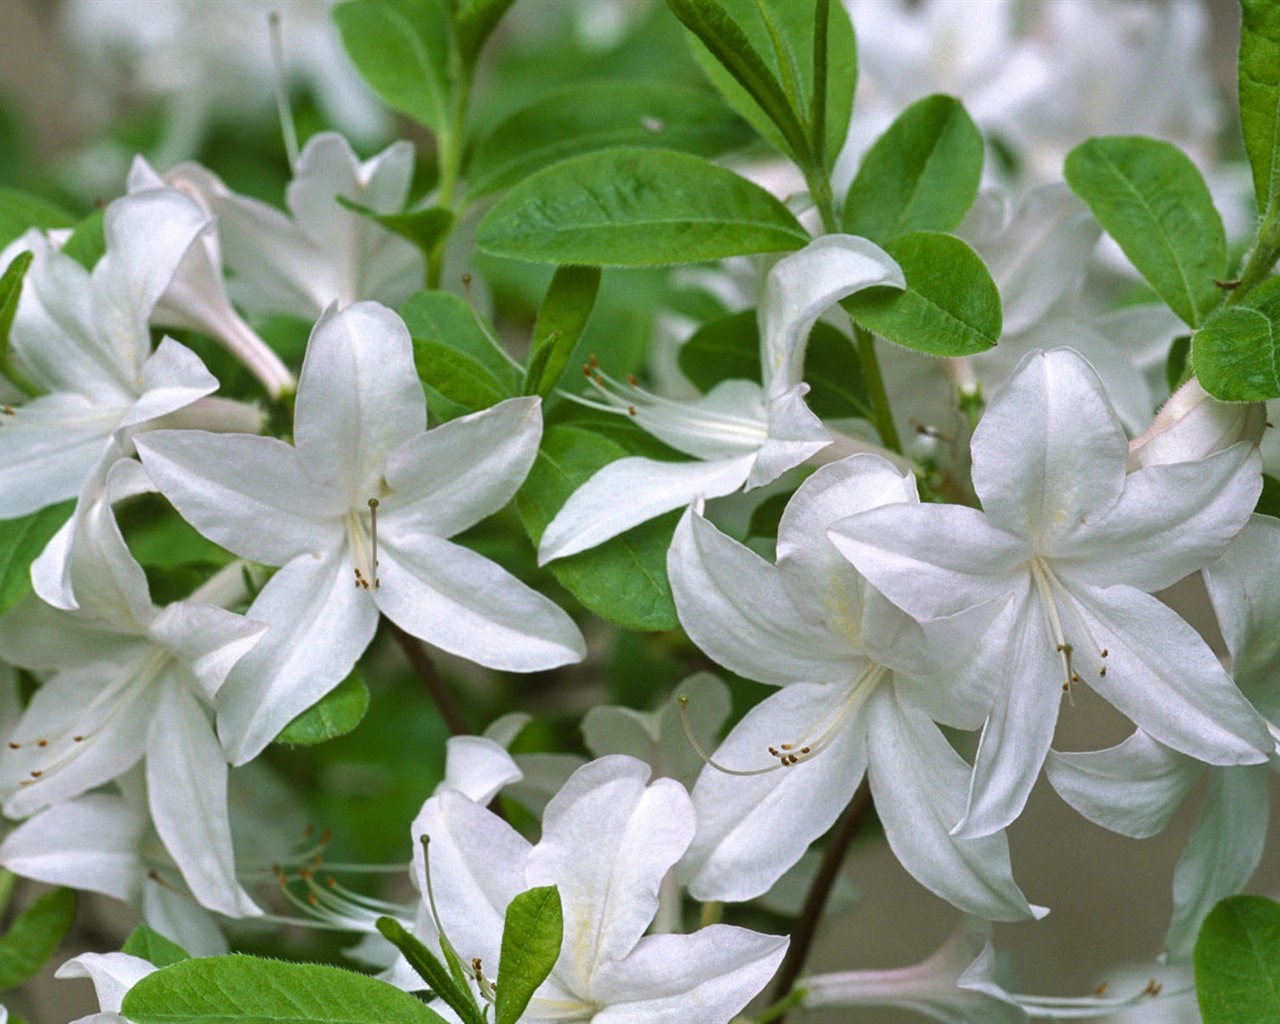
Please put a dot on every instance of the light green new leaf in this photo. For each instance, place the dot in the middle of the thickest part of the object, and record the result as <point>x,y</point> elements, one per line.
<point>1236,355</point>
<point>1150,198</point>
<point>240,989</point>
<point>35,935</point>
<point>624,579</point>
<point>1237,962</point>
<point>636,208</point>
<point>333,715</point>
<point>589,116</point>
<point>153,947</point>
<point>950,307</point>
<point>922,174</point>
<point>531,935</point>
<point>401,48</point>
<point>760,56</point>
<point>21,210</point>
<point>1259,85</point>
<point>21,541</point>
<point>561,320</point>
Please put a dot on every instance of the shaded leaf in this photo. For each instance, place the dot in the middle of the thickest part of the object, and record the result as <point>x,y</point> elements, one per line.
<point>34,936</point>
<point>21,210</point>
<point>562,318</point>
<point>153,947</point>
<point>1259,85</point>
<point>1237,962</point>
<point>333,715</point>
<point>444,982</point>
<point>21,541</point>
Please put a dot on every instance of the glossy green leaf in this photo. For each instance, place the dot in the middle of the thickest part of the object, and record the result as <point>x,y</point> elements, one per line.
<point>950,306</point>
<point>87,243</point>
<point>922,174</point>
<point>333,715</point>
<point>153,947</point>
<point>444,982</point>
<point>21,541</point>
<point>34,937</point>
<point>760,56</point>
<point>459,367</point>
<point>730,347</point>
<point>624,579</point>
<point>1237,353</point>
<point>424,228</point>
<point>531,935</point>
<point>1259,85</point>
<point>1150,198</point>
<point>562,318</point>
<point>21,210</point>
<point>10,293</point>
<point>1237,962</point>
<point>636,208</point>
<point>473,23</point>
<point>240,989</point>
<point>449,320</point>
<point>456,376</point>
<point>401,48</point>
<point>589,116</point>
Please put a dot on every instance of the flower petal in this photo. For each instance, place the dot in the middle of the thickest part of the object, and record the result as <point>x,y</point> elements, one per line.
<point>1244,586</point>
<point>607,841</point>
<point>465,604</point>
<point>208,641</point>
<point>449,478</point>
<point>794,434</point>
<point>632,491</point>
<point>113,974</point>
<point>478,768</point>
<point>49,448</point>
<point>171,379</point>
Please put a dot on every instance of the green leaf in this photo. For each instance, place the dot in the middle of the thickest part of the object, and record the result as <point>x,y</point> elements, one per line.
<point>240,989</point>
<point>766,516</point>
<point>531,935</point>
<point>87,243</point>
<point>1237,962</point>
<point>458,377</point>
<point>35,935</point>
<point>441,980</point>
<point>21,210</point>
<point>922,174</point>
<point>153,947</point>
<point>21,541</point>
<point>10,293</point>
<point>760,57</point>
<point>474,21</point>
<point>1269,499</point>
<point>424,228</point>
<point>446,319</point>
<point>950,306</point>
<point>333,715</point>
<point>1177,365</point>
<point>1150,198</point>
<point>1236,355</point>
<point>636,208</point>
<point>401,48</point>
<point>1259,84</point>
<point>624,579</point>
<point>589,116</point>
<point>561,320</point>
<point>730,348</point>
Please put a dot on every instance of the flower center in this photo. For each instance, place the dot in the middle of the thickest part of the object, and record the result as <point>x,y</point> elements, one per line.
<point>814,742</point>
<point>368,578</point>
<point>1055,599</point>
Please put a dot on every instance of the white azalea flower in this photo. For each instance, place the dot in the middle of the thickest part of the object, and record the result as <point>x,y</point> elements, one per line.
<point>607,841</point>
<point>358,514</point>
<point>320,252</point>
<point>862,688</point>
<point>112,974</point>
<point>743,433</point>
<point>1072,547</point>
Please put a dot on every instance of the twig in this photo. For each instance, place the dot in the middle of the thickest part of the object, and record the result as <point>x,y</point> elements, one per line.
<point>420,661</point>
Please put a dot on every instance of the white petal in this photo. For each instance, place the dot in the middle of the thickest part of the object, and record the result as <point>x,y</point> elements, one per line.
<point>208,641</point>
<point>359,398</point>
<point>169,909</point>
<point>465,604</point>
<point>802,286</point>
<point>90,843</point>
<point>1223,852</point>
<point>1132,788</point>
<point>737,853</point>
<point>478,767</point>
<point>320,623</point>
<point>920,785</point>
<point>632,491</point>
<point>607,841</point>
<point>795,434</point>
<point>1244,586</point>
<point>247,493</point>
<point>49,448</point>
<point>1049,453</point>
<point>187,788</point>
<point>449,478</point>
<point>739,610</point>
<point>702,978</point>
<point>113,974</point>
<point>172,378</point>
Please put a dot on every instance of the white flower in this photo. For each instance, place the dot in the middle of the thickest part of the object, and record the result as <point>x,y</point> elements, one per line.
<point>1071,547</point>
<point>358,514</point>
<point>112,974</point>
<point>607,841</point>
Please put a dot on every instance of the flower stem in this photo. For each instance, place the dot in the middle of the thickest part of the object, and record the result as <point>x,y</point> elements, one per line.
<point>806,927</point>
<point>874,381</point>
<point>420,661</point>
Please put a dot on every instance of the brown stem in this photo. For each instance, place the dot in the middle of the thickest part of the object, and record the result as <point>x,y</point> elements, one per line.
<point>420,661</point>
<point>807,923</point>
